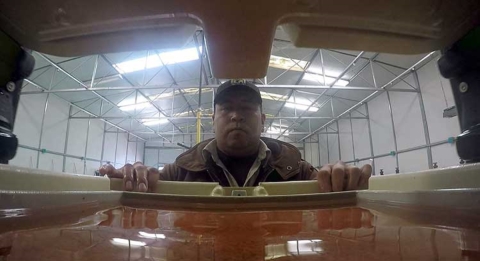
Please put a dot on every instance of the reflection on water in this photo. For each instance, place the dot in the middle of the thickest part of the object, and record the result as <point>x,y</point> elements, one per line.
<point>329,234</point>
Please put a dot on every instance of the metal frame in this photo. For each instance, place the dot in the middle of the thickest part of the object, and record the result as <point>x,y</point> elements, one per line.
<point>412,70</point>
<point>378,91</point>
<point>206,81</point>
<point>424,120</point>
<point>269,86</point>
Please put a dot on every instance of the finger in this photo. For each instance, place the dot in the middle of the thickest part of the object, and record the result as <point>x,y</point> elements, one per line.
<point>338,176</point>
<point>110,171</point>
<point>142,178</point>
<point>128,178</point>
<point>153,177</point>
<point>366,172</point>
<point>324,180</point>
<point>353,174</point>
<point>103,170</point>
<point>138,163</point>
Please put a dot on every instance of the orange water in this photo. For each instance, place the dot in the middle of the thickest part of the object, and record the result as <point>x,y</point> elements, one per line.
<point>330,234</point>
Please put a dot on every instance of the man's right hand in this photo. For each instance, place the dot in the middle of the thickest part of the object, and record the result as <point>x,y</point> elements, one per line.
<point>136,177</point>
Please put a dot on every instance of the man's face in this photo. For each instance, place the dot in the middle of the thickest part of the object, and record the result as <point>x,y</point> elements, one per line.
<point>238,123</point>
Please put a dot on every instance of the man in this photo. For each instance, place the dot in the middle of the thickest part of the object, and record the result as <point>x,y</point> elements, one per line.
<point>238,155</point>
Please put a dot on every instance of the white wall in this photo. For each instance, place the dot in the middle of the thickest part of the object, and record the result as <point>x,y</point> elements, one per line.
<point>311,151</point>
<point>159,156</point>
<point>82,156</point>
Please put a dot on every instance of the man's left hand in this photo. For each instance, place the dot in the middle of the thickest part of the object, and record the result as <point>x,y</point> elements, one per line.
<point>340,177</point>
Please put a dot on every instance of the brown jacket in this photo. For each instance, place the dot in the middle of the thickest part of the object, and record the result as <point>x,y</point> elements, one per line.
<point>284,164</point>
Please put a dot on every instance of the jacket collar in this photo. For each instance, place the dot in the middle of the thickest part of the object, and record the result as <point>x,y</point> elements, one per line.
<point>285,158</point>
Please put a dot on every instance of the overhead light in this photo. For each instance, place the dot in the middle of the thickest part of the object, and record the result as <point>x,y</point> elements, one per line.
<point>149,235</point>
<point>155,60</point>
<point>130,104</point>
<point>273,96</point>
<point>142,102</point>
<point>300,104</point>
<point>151,122</point>
<point>279,125</point>
<point>287,63</point>
<point>328,79</point>
<point>273,130</point>
<point>127,242</point>
<point>132,107</point>
<point>304,247</point>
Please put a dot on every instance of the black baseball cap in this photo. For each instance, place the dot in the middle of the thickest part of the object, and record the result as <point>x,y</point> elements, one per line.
<point>232,85</point>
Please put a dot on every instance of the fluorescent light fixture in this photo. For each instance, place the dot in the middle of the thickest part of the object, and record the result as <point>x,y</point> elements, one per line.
<point>151,122</point>
<point>328,79</point>
<point>155,60</point>
<point>149,235</point>
<point>127,242</point>
<point>142,102</point>
<point>129,104</point>
<point>300,104</point>
<point>304,247</point>
<point>273,130</point>
<point>133,107</point>
<point>287,63</point>
<point>278,125</point>
<point>273,96</point>
<point>160,168</point>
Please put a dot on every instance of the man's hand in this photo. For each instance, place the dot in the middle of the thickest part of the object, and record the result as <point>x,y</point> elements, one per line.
<point>340,177</point>
<point>136,177</point>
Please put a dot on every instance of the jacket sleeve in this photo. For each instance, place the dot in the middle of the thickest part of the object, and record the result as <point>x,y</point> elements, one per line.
<point>169,172</point>
<point>307,171</point>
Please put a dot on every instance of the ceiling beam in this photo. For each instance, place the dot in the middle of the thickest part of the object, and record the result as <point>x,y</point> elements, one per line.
<point>94,116</point>
<point>210,118</point>
<point>352,63</point>
<point>89,89</point>
<point>375,94</point>
<point>315,54</point>
<point>296,87</point>
<point>141,93</point>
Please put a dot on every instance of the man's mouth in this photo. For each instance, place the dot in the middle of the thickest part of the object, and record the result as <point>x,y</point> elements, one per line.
<point>237,129</point>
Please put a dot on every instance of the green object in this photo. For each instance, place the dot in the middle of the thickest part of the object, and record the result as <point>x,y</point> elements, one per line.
<point>451,140</point>
<point>392,153</point>
<point>43,151</point>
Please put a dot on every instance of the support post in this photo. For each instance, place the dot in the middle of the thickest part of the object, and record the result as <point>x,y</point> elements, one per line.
<point>86,148</point>
<point>370,137</point>
<point>353,142</point>
<point>103,143</point>
<point>424,119</point>
<point>328,148</point>
<point>393,130</point>
<point>116,147</point>
<point>41,130</point>
<point>66,140</point>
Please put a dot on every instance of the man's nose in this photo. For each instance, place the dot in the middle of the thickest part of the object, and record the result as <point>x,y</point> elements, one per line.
<point>237,117</point>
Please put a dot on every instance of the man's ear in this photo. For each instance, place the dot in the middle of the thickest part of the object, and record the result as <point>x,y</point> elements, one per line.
<point>213,121</point>
<point>264,118</point>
